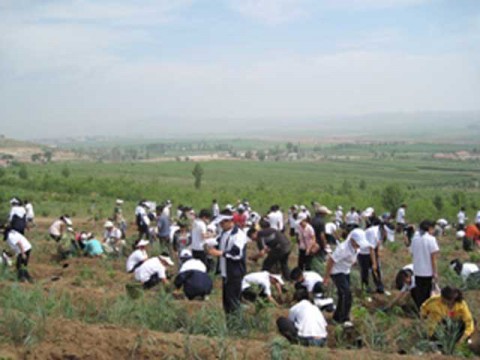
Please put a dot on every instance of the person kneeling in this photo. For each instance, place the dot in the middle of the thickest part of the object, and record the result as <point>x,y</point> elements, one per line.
<point>153,271</point>
<point>305,323</point>
<point>449,313</point>
<point>193,277</point>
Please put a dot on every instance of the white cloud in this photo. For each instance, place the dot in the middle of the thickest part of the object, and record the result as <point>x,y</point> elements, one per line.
<point>271,11</point>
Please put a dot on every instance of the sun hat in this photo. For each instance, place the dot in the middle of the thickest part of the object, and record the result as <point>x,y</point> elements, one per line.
<point>142,243</point>
<point>67,220</point>
<point>108,224</point>
<point>301,217</point>
<point>278,278</point>
<point>167,259</point>
<point>368,212</point>
<point>323,210</point>
<point>185,254</point>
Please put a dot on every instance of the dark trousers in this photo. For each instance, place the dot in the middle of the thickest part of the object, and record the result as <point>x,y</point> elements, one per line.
<point>250,295</point>
<point>422,290</point>
<point>344,300</point>
<point>287,328</point>
<point>21,266</point>
<point>304,260</point>
<point>277,258</point>
<point>365,262</point>
<point>231,295</point>
<point>153,281</point>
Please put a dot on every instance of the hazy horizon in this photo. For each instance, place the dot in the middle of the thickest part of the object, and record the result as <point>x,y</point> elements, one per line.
<point>191,67</point>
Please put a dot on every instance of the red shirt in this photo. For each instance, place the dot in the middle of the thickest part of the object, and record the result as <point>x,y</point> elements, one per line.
<point>473,232</point>
<point>239,219</point>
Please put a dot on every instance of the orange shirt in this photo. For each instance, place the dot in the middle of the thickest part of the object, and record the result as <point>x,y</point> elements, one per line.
<point>473,232</point>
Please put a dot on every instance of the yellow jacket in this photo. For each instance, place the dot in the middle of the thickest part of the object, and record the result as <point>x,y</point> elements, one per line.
<point>434,310</point>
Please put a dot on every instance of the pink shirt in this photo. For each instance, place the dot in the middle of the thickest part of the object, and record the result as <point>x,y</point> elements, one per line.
<point>306,236</point>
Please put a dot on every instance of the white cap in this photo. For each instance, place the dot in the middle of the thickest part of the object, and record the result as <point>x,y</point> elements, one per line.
<point>119,201</point>
<point>221,218</point>
<point>339,207</point>
<point>303,207</point>
<point>167,259</point>
<point>185,253</point>
<point>301,217</point>
<point>278,278</point>
<point>460,234</point>
<point>142,243</point>
<point>229,207</point>
<point>108,224</point>
<point>67,221</point>
<point>368,212</point>
<point>85,236</point>
<point>14,201</point>
<point>359,237</point>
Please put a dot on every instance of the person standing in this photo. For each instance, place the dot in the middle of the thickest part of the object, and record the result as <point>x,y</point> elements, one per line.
<point>307,245</point>
<point>30,214</point>
<point>231,252</point>
<point>318,224</point>
<point>424,251</point>
<point>18,216</point>
<point>142,220</point>
<point>339,218</point>
<point>163,226</point>
<point>368,257</point>
<point>461,218</point>
<point>199,235</point>
<point>338,268</point>
<point>118,218</point>
<point>275,218</point>
<point>400,218</point>
<point>215,208</point>
<point>352,219</point>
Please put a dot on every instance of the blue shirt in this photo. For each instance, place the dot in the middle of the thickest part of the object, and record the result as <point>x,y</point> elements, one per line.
<point>93,247</point>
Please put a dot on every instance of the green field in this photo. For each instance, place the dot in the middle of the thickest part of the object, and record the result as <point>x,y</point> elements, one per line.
<point>56,188</point>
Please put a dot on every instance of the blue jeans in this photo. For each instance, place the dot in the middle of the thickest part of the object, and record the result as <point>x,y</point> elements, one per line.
<point>311,341</point>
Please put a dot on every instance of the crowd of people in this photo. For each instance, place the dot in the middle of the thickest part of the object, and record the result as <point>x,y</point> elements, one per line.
<point>196,246</point>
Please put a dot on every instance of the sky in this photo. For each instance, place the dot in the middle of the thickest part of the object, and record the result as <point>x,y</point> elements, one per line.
<point>158,67</point>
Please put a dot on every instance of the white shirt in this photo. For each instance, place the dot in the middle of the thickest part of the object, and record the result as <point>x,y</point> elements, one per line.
<point>372,234</point>
<point>400,218</point>
<point>199,228</point>
<point>29,211</point>
<point>215,210</point>
<point>55,228</point>
<point>423,246</point>
<point>339,216</point>
<point>308,320</point>
<point>330,228</point>
<point>149,268</point>
<point>227,242</point>
<point>461,217</point>
<point>467,270</point>
<point>166,211</point>
<point>114,234</point>
<point>136,257</point>
<point>406,287</point>
<point>261,278</point>
<point>15,239</point>
<point>352,217</point>
<point>17,210</point>
<point>275,219</point>
<point>310,278</point>
<point>344,257</point>
<point>140,211</point>
<point>193,264</point>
